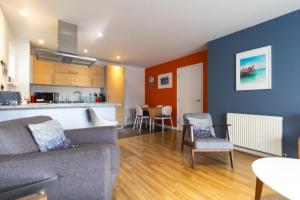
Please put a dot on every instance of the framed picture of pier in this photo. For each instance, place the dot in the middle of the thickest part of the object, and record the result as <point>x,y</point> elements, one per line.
<point>165,80</point>
<point>254,69</point>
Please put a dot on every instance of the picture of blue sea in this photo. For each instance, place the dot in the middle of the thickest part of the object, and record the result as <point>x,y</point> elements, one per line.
<point>253,69</point>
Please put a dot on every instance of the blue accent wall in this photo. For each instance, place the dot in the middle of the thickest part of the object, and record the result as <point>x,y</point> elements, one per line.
<point>283,99</point>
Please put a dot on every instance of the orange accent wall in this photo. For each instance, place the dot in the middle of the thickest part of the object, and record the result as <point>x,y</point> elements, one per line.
<point>155,96</point>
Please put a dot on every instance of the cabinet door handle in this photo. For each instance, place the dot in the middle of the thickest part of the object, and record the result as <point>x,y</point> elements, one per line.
<point>72,72</point>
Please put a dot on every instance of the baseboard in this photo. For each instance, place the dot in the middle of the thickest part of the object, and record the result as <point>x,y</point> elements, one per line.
<point>253,152</point>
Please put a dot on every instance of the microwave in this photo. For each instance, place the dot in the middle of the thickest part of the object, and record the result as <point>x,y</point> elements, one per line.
<point>46,97</point>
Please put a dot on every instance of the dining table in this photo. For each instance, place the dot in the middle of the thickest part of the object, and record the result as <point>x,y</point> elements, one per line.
<point>152,112</point>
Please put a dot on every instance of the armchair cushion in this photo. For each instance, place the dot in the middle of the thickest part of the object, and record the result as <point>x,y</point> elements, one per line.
<point>212,144</point>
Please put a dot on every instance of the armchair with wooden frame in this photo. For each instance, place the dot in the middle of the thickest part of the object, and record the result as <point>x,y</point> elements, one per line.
<point>204,144</point>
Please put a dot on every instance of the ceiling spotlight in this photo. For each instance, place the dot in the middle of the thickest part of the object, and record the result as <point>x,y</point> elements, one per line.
<point>118,57</point>
<point>85,50</point>
<point>23,13</point>
<point>99,34</point>
<point>41,41</point>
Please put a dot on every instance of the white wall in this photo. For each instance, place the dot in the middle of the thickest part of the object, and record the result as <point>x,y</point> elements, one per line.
<point>22,70</point>
<point>5,37</point>
<point>134,90</point>
<point>22,56</point>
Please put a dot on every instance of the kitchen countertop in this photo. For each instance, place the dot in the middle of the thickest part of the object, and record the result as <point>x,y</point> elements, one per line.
<point>58,105</point>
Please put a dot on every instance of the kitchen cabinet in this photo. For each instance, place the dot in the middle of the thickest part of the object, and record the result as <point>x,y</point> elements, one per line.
<point>51,73</point>
<point>116,89</point>
<point>71,69</point>
<point>43,72</point>
<point>97,79</point>
<point>71,75</point>
<point>65,79</point>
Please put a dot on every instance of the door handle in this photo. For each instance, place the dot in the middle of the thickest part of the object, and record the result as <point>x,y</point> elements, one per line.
<point>199,100</point>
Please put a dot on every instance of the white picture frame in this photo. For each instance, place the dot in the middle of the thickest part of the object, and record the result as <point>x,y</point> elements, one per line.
<point>165,81</point>
<point>254,69</point>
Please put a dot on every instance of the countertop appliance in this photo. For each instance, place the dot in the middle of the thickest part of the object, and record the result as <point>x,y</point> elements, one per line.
<point>46,97</point>
<point>10,98</point>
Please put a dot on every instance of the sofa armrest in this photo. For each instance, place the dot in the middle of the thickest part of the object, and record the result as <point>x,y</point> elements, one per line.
<point>106,134</point>
<point>83,173</point>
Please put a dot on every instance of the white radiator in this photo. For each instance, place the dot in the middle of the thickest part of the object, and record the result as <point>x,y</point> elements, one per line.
<point>256,132</point>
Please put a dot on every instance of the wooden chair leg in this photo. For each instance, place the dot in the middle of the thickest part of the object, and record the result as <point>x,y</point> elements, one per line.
<point>162,125</point>
<point>182,141</point>
<point>182,144</point>
<point>231,158</point>
<point>258,188</point>
<point>193,158</point>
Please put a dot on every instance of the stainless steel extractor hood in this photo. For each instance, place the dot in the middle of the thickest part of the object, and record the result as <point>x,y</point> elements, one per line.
<point>67,47</point>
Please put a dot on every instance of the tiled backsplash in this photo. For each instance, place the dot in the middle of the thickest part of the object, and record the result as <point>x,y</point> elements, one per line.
<point>66,92</point>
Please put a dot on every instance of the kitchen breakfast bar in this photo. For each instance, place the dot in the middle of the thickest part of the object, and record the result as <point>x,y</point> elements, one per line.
<point>70,115</point>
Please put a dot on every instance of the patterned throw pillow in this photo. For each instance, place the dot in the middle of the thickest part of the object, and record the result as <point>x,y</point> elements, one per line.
<point>201,127</point>
<point>201,131</point>
<point>49,136</point>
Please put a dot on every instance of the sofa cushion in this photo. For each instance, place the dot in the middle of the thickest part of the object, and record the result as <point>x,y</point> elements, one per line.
<point>49,136</point>
<point>15,137</point>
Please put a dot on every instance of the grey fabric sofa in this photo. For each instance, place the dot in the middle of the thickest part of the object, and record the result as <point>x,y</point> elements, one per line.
<point>85,172</point>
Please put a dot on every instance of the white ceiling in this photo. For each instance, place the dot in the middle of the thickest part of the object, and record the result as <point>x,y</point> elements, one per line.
<point>143,32</point>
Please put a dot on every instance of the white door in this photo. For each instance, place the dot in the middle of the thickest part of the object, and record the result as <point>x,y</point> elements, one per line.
<point>189,91</point>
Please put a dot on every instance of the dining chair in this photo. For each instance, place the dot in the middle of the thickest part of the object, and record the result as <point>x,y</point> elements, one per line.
<point>166,114</point>
<point>199,135</point>
<point>139,117</point>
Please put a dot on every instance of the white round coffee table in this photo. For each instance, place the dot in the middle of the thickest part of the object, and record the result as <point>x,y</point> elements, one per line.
<point>280,174</point>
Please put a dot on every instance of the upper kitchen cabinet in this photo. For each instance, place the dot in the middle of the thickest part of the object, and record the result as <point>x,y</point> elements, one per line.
<point>43,72</point>
<point>71,69</point>
<point>64,79</point>
<point>97,76</point>
<point>72,75</point>
<point>116,89</point>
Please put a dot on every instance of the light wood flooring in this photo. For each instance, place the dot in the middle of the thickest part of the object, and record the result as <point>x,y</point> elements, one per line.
<point>153,167</point>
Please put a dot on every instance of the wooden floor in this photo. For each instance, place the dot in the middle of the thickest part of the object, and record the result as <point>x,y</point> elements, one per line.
<point>152,167</point>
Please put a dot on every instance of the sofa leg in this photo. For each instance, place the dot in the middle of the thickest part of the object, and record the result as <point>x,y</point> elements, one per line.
<point>231,158</point>
<point>193,158</point>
